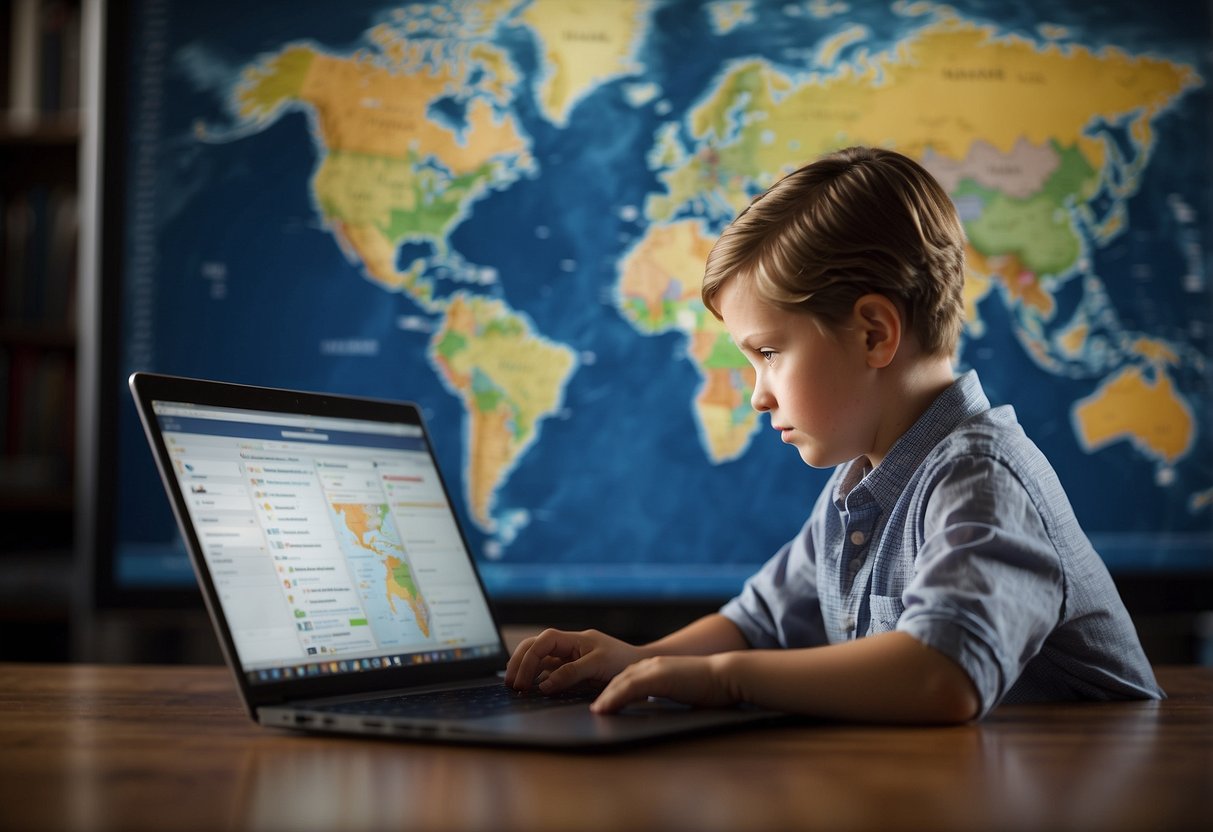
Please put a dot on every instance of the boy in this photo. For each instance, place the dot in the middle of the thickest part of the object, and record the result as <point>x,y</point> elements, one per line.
<point>942,570</point>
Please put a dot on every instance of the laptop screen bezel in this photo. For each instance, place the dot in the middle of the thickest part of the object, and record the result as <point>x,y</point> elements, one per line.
<point>148,388</point>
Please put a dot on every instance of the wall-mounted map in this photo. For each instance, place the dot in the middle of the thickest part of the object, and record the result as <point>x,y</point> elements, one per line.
<point>502,210</point>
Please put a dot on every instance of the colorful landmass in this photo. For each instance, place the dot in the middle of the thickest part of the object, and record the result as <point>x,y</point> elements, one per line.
<point>508,378</point>
<point>1137,405</point>
<point>933,91</point>
<point>1004,123</point>
<point>390,172</point>
<point>656,295</point>
<point>1201,500</point>
<point>727,15</point>
<point>584,44</point>
<point>828,52</point>
<point>371,528</point>
<point>400,584</point>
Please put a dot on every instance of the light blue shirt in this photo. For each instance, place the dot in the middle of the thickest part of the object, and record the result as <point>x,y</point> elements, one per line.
<point>964,538</point>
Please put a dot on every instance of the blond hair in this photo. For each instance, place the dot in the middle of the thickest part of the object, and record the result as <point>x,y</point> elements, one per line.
<point>858,221</point>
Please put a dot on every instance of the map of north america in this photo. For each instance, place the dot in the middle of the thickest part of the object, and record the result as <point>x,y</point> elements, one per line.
<point>382,572</point>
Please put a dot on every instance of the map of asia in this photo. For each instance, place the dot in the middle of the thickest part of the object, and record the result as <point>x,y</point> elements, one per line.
<point>501,210</point>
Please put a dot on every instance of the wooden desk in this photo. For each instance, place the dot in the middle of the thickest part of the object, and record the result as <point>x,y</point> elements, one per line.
<point>164,748</point>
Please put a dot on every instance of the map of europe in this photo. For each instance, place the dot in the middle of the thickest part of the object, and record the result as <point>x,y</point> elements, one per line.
<point>501,209</point>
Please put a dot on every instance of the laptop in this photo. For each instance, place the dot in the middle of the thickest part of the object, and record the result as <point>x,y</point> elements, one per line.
<point>339,581</point>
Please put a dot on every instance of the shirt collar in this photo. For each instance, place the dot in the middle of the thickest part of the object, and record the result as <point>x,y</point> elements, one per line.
<point>963,400</point>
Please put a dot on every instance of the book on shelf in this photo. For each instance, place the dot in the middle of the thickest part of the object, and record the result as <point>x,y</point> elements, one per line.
<point>39,421</point>
<point>39,229</point>
<point>38,234</point>
<point>43,60</point>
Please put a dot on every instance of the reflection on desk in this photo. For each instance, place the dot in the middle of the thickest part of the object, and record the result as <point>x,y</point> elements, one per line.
<point>89,747</point>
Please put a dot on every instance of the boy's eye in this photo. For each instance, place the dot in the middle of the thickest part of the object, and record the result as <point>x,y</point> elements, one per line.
<point>767,355</point>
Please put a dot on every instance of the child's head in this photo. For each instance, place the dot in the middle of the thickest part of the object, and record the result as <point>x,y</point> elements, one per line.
<point>859,221</point>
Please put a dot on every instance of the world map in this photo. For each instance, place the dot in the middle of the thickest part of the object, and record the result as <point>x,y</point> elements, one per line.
<point>502,210</point>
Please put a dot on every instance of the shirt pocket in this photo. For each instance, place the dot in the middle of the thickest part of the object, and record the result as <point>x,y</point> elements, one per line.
<point>886,612</point>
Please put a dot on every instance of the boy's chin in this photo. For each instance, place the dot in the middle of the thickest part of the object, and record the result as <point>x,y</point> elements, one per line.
<point>815,457</point>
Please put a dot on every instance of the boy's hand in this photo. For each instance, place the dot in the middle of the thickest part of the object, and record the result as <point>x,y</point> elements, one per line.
<point>559,660</point>
<point>692,680</point>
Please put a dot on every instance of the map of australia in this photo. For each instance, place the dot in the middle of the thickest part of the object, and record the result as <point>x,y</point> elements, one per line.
<point>523,194</point>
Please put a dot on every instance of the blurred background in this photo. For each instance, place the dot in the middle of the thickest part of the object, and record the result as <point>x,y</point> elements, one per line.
<point>168,180</point>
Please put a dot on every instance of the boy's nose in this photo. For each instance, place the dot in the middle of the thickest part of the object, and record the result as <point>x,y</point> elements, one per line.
<point>760,399</point>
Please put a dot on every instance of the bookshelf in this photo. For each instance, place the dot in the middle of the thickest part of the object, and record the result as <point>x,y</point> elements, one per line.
<point>40,138</point>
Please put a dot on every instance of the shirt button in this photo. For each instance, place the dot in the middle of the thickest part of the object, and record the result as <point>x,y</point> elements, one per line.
<point>856,563</point>
<point>858,538</point>
<point>848,623</point>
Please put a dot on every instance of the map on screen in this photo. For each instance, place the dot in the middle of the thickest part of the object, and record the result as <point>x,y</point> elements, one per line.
<point>501,210</point>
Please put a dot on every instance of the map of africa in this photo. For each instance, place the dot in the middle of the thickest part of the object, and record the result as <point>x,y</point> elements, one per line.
<point>502,209</point>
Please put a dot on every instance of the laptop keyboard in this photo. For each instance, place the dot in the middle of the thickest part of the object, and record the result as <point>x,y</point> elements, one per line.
<point>463,703</point>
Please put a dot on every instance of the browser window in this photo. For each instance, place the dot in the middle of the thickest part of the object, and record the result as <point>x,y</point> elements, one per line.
<point>331,542</point>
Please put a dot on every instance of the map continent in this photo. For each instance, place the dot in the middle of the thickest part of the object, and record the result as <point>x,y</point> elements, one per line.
<point>508,379</point>
<point>381,566</point>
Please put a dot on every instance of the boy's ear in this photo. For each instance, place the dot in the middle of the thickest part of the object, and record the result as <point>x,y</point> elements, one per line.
<point>879,321</point>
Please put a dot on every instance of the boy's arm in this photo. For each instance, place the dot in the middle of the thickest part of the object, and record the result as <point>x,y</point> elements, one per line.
<point>891,677</point>
<point>711,634</point>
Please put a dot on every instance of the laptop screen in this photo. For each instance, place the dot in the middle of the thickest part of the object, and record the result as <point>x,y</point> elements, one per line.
<point>330,541</point>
